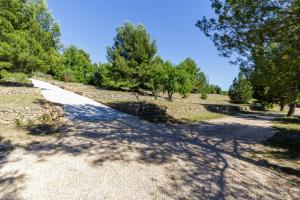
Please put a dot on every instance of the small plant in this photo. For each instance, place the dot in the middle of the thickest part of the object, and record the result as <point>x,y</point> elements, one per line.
<point>46,118</point>
<point>267,105</point>
<point>29,123</point>
<point>204,96</point>
<point>20,123</point>
<point>68,75</point>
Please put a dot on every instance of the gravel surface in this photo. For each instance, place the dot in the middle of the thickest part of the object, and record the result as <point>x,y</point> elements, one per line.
<point>106,154</point>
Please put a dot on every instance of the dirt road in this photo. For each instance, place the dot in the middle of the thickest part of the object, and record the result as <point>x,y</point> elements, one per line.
<point>105,154</point>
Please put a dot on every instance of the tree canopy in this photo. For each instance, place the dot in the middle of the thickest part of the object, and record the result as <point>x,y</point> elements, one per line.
<point>263,38</point>
<point>131,55</point>
<point>29,37</point>
<point>30,42</point>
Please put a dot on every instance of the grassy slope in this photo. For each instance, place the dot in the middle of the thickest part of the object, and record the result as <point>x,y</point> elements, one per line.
<point>188,109</point>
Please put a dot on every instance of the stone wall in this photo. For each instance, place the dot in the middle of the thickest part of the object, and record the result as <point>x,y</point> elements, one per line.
<point>36,112</point>
<point>20,90</point>
<point>146,110</point>
<point>33,113</point>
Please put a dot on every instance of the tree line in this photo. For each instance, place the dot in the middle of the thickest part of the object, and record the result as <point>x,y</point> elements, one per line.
<point>263,37</point>
<point>30,42</point>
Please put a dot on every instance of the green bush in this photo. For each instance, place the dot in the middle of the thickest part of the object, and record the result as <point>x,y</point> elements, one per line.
<point>6,76</point>
<point>68,75</point>
<point>42,75</point>
<point>204,96</point>
<point>241,90</point>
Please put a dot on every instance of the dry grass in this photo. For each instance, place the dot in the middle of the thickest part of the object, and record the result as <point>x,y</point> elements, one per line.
<point>18,99</point>
<point>283,148</point>
<point>12,133</point>
<point>188,109</point>
<point>21,136</point>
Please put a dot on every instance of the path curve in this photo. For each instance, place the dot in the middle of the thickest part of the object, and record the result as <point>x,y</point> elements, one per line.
<point>106,154</point>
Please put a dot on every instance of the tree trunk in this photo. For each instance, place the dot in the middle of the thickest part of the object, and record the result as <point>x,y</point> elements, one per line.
<point>137,96</point>
<point>170,94</point>
<point>292,110</point>
<point>282,104</point>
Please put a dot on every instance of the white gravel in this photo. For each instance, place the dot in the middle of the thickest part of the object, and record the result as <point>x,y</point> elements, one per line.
<point>105,154</point>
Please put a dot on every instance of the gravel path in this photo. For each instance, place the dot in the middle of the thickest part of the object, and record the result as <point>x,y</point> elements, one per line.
<point>106,154</point>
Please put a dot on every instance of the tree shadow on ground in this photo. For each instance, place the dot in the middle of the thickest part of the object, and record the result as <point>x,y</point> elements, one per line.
<point>202,161</point>
<point>15,84</point>
<point>9,188</point>
<point>287,138</point>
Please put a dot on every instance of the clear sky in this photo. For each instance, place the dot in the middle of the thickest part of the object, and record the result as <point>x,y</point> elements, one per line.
<point>91,25</point>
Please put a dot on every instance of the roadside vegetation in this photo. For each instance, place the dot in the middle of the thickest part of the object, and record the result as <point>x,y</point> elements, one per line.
<point>281,152</point>
<point>23,118</point>
<point>287,138</point>
<point>180,110</point>
<point>262,37</point>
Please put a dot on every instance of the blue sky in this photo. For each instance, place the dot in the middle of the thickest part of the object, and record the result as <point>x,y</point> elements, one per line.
<point>91,25</point>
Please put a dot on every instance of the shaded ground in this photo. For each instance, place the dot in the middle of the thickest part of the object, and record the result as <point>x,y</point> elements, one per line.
<point>105,154</point>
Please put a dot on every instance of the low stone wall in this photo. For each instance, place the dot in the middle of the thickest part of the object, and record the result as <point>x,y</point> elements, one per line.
<point>145,110</point>
<point>20,90</point>
<point>35,112</point>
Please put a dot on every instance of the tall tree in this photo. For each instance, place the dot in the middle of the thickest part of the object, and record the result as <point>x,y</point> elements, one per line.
<point>200,82</point>
<point>250,30</point>
<point>29,37</point>
<point>171,84</point>
<point>241,90</point>
<point>157,77</point>
<point>80,63</point>
<point>131,56</point>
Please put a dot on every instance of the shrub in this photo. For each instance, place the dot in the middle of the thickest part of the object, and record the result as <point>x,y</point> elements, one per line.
<point>6,76</point>
<point>146,110</point>
<point>42,75</point>
<point>241,90</point>
<point>68,75</point>
<point>204,96</point>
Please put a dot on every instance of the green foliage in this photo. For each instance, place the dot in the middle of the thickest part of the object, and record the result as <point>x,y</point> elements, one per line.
<point>204,96</point>
<point>29,38</point>
<point>200,82</point>
<point>188,72</point>
<point>132,64</point>
<point>185,81</point>
<point>171,84</point>
<point>190,67</point>
<point>78,62</point>
<point>13,77</point>
<point>213,89</point>
<point>264,37</point>
<point>157,77</point>
<point>241,90</point>
<point>130,56</point>
<point>68,75</point>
